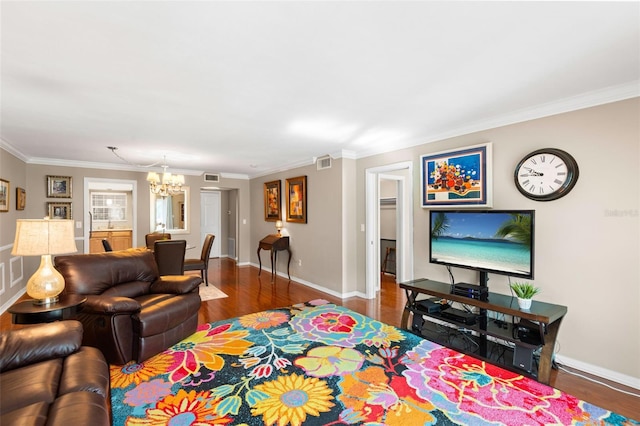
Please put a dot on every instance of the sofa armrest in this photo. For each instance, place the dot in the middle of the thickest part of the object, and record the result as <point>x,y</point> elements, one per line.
<point>175,284</point>
<point>110,305</point>
<point>39,343</point>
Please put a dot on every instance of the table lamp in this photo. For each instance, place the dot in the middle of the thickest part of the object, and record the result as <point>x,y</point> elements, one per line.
<point>44,237</point>
<point>279,227</point>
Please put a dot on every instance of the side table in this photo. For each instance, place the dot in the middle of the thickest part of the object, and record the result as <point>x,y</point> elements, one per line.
<point>66,307</point>
<point>274,243</point>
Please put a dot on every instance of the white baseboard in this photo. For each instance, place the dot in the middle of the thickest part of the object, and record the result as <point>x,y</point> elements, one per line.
<point>604,373</point>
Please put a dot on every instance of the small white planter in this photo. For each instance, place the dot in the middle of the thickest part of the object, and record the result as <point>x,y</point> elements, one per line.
<point>524,304</point>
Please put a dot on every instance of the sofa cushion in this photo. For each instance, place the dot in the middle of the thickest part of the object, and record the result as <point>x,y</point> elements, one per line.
<point>30,384</point>
<point>31,415</point>
<point>79,408</point>
<point>98,272</point>
<point>162,312</point>
<point>34,344</point>
<point>83,371</point>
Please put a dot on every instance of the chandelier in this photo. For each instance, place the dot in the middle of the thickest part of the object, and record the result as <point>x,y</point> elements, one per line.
<point>166,185</point>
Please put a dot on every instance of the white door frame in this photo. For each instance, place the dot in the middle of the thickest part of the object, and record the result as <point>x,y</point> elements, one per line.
<point>87,206</point>
<point>404,225</point>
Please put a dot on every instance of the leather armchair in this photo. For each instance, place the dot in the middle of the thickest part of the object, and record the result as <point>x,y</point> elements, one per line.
<point>131,312</point>
<point>48,378</point>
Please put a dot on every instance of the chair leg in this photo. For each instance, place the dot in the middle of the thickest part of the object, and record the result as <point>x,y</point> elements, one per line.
<point>204,277</point>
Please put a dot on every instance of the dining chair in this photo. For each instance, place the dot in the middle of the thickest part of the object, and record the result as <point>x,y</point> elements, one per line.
<point>202,264</point>
<point>106,245</point>
<point>169,255</point>
<point>150,239</point>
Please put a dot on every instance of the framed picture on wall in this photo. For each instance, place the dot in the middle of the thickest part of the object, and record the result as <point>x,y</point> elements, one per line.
<point>21,198</point>
<point>272,201</point>
<point>4,195</point>
<point>59,210</point>
<point>459,178</point>
<point>297,199</point>
<point>59,187</point>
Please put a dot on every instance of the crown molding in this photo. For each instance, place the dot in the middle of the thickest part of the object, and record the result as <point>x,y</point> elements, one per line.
<point>573,103</point>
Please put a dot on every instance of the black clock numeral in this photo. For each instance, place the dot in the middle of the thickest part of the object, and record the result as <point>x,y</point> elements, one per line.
<point>532,188</point>
<point>558,181</point>
<point>525,183</point>
<point>541,190</point>
<point>534,161</point>
<point>542,158</point>
<point>562,173</point>
<point>560,165</point>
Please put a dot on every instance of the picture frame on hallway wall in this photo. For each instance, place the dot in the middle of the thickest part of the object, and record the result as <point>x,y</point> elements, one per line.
<point>59,187</point>
<point>59,210</point>
<point>457,178</point>
<point>4,195</point>
<point>296,189</point>
<point>272,201</point>
<point>21,198</point>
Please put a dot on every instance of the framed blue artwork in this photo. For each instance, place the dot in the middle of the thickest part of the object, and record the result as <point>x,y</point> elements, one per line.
<point>458,178</point>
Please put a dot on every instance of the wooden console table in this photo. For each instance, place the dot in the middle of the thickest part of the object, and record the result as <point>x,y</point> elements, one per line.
<point>274,243</point>
<point>547,317</point>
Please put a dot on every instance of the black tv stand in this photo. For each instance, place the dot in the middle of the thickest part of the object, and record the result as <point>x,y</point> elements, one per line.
<point>545,316</point>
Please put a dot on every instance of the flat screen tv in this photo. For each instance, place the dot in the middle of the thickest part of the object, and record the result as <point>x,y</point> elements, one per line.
<point>489,241</point>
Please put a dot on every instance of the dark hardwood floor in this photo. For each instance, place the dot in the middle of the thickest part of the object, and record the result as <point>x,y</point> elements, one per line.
<point>249,293</point>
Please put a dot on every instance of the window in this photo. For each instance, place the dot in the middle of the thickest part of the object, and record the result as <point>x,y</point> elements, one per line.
<point>109,206</point>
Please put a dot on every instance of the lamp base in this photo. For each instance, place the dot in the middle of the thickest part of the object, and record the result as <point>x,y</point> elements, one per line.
<point>46,301</point>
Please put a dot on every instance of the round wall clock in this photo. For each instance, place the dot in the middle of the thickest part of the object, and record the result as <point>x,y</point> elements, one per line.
<point>546,174</point>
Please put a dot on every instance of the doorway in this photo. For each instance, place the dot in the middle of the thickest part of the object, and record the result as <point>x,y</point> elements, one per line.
<point>402,173</point>
<point>103,184</point>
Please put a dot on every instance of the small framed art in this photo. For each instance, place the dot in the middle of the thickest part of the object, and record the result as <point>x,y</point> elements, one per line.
<point>459,177</point>
<point>59,187</point>
<point>297,199</point>
<point>4,195</point>
<point>272,201</point>
<point>59,210</point>
<point>21,198</point>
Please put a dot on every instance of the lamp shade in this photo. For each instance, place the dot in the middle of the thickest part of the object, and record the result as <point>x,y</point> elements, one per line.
<point>278,225</point>
<point>44,237</point>
<point>35,237</point>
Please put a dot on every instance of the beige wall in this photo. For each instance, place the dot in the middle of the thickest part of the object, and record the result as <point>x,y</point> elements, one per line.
<point>587,243</point>
<point>317,245</point>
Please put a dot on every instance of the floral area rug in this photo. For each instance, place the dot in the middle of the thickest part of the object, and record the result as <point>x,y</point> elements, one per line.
<point>321,364</point>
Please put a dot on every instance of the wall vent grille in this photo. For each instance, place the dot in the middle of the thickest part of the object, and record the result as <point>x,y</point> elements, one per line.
<point>211,177</point>
<point>323,163</point>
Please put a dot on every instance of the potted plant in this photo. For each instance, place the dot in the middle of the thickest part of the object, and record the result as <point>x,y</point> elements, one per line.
<point>525,292</point>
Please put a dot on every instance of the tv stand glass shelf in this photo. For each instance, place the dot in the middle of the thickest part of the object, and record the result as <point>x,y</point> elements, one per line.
<point>536,329</point>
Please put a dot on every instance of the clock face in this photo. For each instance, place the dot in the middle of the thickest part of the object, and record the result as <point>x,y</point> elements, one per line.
<point>546,174</point>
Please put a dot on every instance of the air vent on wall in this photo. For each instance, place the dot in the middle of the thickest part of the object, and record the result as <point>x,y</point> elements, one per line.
<point>211,177</point>
<point>323,163</point>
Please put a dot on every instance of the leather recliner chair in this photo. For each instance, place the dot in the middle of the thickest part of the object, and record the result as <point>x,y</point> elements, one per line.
<point>131,312</point>
<point>48,378</point>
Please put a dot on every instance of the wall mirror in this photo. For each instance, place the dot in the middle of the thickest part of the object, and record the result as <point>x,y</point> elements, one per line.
<point>171,213</point>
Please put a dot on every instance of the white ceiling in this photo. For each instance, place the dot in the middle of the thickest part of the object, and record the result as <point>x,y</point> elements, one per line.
<point>254,87</point>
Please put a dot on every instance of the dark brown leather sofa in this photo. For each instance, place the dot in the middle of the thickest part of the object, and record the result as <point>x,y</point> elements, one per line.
<point>131,312</point>
<point>48,378</point>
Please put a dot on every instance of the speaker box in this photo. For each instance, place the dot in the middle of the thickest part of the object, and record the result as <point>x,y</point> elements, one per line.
<point>523,357</point>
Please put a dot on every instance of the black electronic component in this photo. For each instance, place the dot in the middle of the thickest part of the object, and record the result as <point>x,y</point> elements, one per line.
<point>470,290</point>
<point>431,305</point>
<point>459,315</point>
